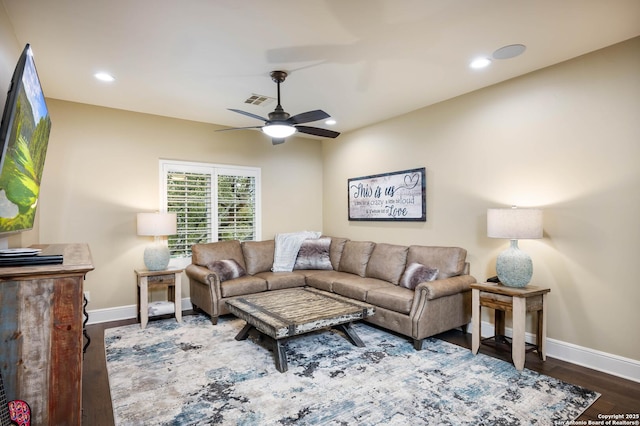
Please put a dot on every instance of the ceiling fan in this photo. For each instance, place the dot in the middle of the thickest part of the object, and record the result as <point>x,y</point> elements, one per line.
<point>281,124</point>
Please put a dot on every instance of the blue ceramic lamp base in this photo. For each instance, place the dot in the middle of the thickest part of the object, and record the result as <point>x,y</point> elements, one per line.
<point>514,267</point>
<point>156,257</point>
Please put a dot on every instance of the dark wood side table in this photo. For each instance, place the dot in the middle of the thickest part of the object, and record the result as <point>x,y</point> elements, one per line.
<point>519,301</point>
<point>168,279</point>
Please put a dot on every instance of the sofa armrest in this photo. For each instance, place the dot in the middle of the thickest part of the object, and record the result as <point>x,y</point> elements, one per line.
<point>202,274</point>
<point>439,288</point>
<point>439,306</point>
<point>204,286</point>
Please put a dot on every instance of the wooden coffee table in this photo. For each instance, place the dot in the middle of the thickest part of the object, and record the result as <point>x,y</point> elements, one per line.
<point>282,314</point>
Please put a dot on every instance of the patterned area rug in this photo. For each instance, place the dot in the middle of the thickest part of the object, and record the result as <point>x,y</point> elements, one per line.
<point>196,373</point>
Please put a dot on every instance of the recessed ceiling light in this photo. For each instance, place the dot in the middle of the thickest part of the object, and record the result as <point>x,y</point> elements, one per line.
<point>330,122</point>
<point>480,63</point>
<point>510,51</point>
<point>103,76</point>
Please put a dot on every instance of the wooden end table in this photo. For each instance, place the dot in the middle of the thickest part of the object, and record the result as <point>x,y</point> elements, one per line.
<point>519,301</point>
<point>168,279</point>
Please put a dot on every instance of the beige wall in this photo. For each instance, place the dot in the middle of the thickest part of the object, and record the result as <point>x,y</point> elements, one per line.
<point>9,52</point>
<point>567,139</point>
<point>102,168</point>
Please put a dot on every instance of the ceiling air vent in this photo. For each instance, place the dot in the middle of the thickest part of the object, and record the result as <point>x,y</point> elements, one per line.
<point>260,100</point>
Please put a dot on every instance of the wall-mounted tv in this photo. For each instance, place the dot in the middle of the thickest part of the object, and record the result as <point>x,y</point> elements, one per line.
<point>24,136</point>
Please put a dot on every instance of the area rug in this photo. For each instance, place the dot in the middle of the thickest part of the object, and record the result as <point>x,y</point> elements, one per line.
<point>196,373</point>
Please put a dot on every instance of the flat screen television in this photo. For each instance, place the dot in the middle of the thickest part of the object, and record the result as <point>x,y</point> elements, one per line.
<point>24,136</point>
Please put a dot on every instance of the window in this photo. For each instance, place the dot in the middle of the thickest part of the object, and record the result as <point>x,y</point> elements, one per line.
<point>212,202</point>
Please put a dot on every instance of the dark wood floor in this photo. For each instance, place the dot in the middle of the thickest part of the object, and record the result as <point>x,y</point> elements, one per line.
<point>619,396</point>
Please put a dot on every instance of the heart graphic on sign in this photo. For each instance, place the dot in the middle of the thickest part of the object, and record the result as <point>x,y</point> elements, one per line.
<point>411,181</point>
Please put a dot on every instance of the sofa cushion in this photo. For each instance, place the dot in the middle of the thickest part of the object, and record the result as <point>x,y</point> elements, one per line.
<point>280,280</point>
<point>355,257</point>
<point>314,254</point>
<point>335,251</point>
<point>448,260</point>
<point>392,297</point>
<point>226,269</point>
<point>387,262</point>
<point>356,287</point>
<point>203,254</point>
<point>323,280</point>
<point>243,285</point>
<point>258,255</point>
<point>417,273</point>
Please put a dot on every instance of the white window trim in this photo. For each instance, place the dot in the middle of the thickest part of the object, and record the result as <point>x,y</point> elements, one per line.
<point>215,170</point>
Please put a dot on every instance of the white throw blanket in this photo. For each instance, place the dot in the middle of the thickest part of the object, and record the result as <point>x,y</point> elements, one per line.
<point>287,247</point>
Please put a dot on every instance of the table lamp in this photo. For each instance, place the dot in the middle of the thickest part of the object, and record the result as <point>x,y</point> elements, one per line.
<point>156,255</point>
<point>514,267</point>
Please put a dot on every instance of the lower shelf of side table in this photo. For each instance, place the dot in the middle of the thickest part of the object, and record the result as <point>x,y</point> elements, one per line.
<point>168,280</point>
<point>505,343</point>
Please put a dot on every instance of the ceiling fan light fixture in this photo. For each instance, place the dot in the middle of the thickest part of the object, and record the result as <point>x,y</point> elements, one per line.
<point>279,130</point>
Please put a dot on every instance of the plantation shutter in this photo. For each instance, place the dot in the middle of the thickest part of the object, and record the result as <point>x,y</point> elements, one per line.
<point>212,203</point>
<point>189,196</point>
<point>236,207</point>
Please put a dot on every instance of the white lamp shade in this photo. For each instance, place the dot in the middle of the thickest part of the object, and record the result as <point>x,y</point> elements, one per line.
<point>279,130</point>
<point>514,224</point>
<point>157,224</point>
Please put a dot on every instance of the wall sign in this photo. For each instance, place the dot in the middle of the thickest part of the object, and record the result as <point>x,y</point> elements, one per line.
<point>397,196</point>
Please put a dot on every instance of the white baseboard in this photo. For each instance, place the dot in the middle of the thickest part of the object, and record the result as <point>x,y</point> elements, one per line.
<point>604,362</point>
<point>590,358</point>
<point>123,312</point>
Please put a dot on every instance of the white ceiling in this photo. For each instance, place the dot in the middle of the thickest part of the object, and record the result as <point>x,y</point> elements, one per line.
<point>362,61</point>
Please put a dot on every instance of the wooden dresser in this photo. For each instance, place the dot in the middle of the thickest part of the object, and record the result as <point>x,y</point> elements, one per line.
<point>41,336</point>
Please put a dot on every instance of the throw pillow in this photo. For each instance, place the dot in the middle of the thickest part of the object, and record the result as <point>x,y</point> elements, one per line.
<point>286,249</point>
<point>314,254</point>
<point>416,273</point>
<point>227,269</point>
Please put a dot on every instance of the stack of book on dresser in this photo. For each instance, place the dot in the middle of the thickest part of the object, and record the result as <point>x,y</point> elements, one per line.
<point>29,257</point>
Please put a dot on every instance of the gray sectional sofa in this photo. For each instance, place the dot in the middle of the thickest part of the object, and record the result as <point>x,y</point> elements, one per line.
<point>418,291</point>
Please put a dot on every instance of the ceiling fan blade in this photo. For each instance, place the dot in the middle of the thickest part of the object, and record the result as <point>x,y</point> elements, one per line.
<point>239,128</point>
<point>277,141</point>
<point>309,116</point>
<point>248,114</point>
<point>316,131</point>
